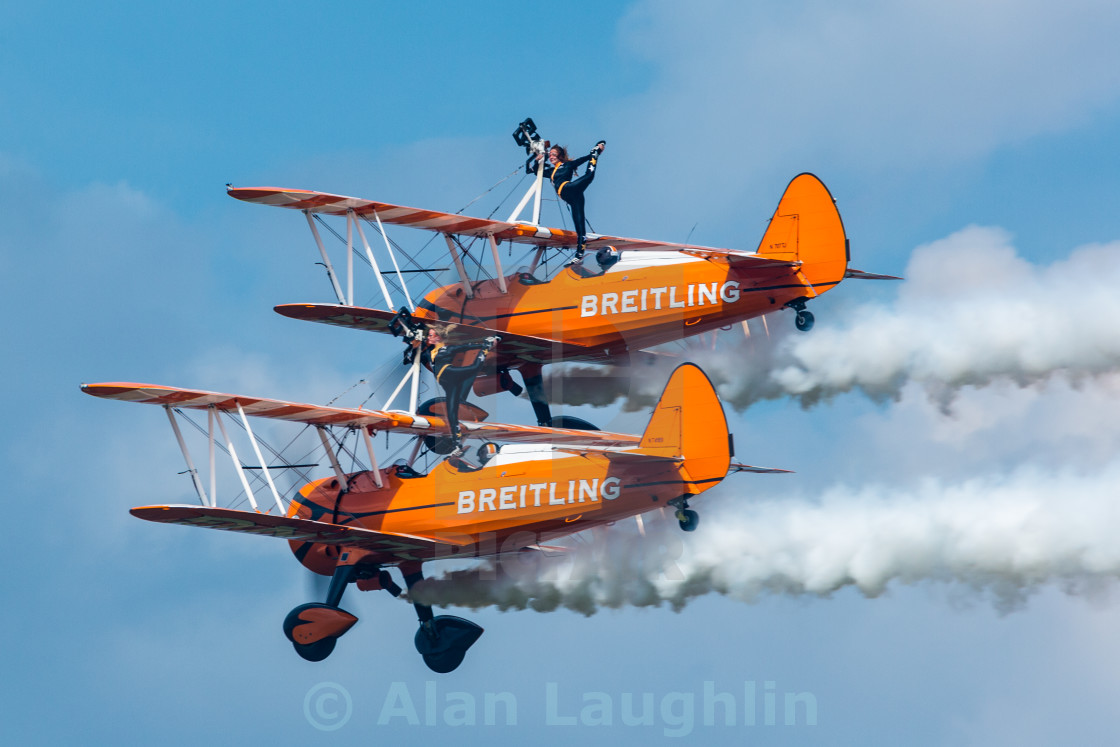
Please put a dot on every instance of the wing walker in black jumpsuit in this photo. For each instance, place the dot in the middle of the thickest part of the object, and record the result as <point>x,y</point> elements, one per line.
<point>569,187</point>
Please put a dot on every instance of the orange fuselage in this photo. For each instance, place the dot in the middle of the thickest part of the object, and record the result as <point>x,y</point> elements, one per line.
<point>511,503</point>
<point>637,303</point>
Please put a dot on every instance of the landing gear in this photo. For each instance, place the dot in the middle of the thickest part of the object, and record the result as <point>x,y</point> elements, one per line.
<point>442,640</point>
<point>804,320</point>
<point>686,517</point>
<point>534,384</point>
<point>314,628</point>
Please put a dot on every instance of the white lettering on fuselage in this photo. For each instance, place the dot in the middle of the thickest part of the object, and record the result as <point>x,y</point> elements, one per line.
<point>574,491</point>
<point>667,297</point>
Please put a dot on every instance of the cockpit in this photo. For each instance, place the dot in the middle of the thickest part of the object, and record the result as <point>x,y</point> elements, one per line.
<point>545,272</point>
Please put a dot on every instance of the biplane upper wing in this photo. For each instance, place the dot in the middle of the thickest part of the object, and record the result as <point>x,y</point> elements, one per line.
<point>400,546</point>
<point>196,399</point>
<point>393,420</point>
<point>521,233</point>
<point>400,215</point>
<point>513,346</point>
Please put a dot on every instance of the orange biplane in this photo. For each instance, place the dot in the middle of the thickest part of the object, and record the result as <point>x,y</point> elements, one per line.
<point>543,483</point>
<point>643,294</point>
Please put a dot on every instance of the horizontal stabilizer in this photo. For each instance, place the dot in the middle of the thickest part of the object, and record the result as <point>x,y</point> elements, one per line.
<point>861,275</point>
<point>401,546</point>
<point>736,467</point>
<point>617,455</point>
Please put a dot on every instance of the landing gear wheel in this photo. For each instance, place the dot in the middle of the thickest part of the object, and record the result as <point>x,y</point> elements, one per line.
<point>688,519</point>
<point>804,321</point>
<point>314,629</point>
<point>443,641</point>
<point>316,651</point>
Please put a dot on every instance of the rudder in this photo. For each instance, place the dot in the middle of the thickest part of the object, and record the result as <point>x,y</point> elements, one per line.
<point>806,227</point>
<point>688,422</point>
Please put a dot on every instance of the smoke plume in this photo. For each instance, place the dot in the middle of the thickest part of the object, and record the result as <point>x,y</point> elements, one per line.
<point>971,312</point>
<point>999,537</point>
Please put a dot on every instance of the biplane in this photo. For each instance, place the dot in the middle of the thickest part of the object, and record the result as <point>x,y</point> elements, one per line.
<point>643,293</point>
<point>528,485</point>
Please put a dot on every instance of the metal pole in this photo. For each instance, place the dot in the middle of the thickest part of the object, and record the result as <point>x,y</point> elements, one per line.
<point>415,381</point>
<point>537,200</point>
<point>400,386</point>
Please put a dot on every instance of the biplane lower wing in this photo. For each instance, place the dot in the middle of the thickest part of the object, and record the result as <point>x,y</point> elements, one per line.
<point>392,420</point>
<point>514,347</point>
<point>400,546</point>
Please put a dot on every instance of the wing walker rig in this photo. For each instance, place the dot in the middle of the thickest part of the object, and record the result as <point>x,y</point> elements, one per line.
<point>523,486</point>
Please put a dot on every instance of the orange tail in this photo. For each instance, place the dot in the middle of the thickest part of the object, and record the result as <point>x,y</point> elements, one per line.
<point>688,423</point>
<point>807,228</point>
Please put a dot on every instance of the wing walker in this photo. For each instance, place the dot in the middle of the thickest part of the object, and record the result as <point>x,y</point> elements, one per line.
<point>505,488</point>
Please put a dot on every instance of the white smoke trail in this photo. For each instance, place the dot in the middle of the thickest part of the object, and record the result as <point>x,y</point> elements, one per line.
<point>1001,537</point>
<point>971,312</point>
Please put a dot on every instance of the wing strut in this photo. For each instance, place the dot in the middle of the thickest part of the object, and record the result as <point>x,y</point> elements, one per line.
<point>187,456</point>
<point>326,259</point>
<point>372,458</point>
<point>240,470</point>
<point>260,459</point>
<point>342,483</point>
<point>373,262</point>
<point>393,256</point>
<point>497,264</point>
<point>211,413</point>
<point>466,281</point>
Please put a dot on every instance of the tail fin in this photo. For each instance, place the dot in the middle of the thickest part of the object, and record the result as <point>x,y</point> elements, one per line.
<point>806,227</point>
<point>688,423</point>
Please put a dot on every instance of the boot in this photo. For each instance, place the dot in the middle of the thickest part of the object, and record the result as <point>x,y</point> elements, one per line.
<point>577,258</point>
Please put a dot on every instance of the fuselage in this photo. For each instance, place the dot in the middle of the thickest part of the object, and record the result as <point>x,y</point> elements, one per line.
<point>523,496</point>
<point>645,299</point>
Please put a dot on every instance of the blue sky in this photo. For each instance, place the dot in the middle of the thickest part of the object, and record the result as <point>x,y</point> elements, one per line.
<point>969,148</point>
